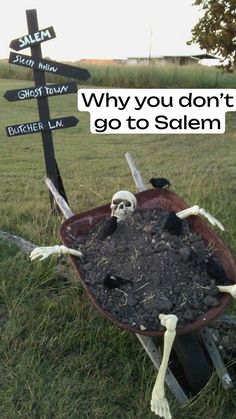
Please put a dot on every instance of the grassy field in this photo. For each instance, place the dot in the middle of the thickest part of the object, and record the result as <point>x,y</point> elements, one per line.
<point>59,357</point>
<point>156,76</point>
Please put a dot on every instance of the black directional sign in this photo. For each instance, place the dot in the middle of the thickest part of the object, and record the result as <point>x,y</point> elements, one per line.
<point>49,66</point>
<point>35,38</point>
<point>40,126</point>
<point>41,91</point>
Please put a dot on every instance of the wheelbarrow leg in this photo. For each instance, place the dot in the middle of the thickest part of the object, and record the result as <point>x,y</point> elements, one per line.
<point>216,358</point>
<point>170,380</point>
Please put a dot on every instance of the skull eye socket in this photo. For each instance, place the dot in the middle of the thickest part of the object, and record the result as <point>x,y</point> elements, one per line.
<point>127,203</point>
<point>118,201</point>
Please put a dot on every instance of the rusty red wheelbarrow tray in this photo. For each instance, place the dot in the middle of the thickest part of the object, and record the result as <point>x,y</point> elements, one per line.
<point>81,224</point>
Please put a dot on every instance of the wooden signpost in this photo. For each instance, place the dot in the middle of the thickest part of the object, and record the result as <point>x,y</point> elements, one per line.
<point>42,91</point>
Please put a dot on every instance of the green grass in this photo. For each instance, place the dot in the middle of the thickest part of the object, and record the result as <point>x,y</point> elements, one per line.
<point>159,76</point>
<point>59,357</point>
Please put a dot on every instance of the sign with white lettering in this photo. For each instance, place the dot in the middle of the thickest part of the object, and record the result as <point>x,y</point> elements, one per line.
<point>49,66</point>
<point>36,38</point>
<point>39,126</point>
<point>41,91</point>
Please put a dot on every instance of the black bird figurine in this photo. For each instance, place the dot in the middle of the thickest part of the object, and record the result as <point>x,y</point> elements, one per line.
<point>159,182</point>
<point>215,270</point>
<point>108,228</point>
<point>173,224</point>
<point>113,281</point>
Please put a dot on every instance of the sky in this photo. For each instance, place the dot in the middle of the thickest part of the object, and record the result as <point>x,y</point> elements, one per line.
<point>104,28</point>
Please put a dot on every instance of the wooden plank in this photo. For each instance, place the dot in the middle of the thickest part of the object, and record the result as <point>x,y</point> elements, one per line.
<point>40,126</point>
<point>155,357</point>
<point>61,203</point>
<point>49,66</point>
<point>41,91</point>
<point>135,173</point>
<point>35,38</point>
<point>216,359</point>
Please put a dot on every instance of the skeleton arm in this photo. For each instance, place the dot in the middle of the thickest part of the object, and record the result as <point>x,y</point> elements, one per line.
<point>196,210</point>
<point>124,203</point>
<point>53,250</point>
<point>122,206</point>
<point>159,403</point>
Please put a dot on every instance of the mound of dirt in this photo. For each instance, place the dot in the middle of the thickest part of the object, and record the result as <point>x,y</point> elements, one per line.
<point>161,272</point>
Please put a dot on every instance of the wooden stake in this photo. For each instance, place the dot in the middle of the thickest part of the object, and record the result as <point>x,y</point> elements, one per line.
<point>62,204</point>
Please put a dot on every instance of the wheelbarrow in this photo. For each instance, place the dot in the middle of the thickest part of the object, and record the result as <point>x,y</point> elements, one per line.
<point>194,345</point>
<point>81,224</point>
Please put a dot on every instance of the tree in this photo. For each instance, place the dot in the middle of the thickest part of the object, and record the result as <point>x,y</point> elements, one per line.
<point>216,30</point>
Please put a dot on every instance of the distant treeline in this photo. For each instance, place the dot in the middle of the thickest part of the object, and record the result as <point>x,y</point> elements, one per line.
<point>153,76</point>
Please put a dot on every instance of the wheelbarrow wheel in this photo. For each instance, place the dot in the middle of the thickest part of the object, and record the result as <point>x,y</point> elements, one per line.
<point>195,364</point>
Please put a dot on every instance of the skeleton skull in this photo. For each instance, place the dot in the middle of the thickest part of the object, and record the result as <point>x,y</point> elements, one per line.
<point>123,205</point>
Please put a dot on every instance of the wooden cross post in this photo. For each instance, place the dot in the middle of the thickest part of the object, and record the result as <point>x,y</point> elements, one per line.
<point>41,92</point>
<point>52,169</point>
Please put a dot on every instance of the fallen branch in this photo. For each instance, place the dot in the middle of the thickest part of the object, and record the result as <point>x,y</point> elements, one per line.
<point>24,245</point>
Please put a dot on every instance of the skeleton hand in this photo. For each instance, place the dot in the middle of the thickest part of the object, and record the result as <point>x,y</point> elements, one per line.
<point>196,210</point>
<point>230,289</point>
<point>159,403</point>
<point>51,250</point>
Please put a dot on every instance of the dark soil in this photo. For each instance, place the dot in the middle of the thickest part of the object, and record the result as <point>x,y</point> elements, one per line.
<point>164,273</point>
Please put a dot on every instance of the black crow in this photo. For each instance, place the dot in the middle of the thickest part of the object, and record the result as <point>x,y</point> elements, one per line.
<point>215,270</point>
<point>113,281</point>
<point>173,224</point>
<point>108,228</point>
<point>159,182</point>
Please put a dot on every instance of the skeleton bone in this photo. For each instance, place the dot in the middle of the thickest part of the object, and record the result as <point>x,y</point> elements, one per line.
<point>196,210</point>
<point>230,289</point>
<point>159,403</point>
<point>123,204</point>
<point>51,250</point>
